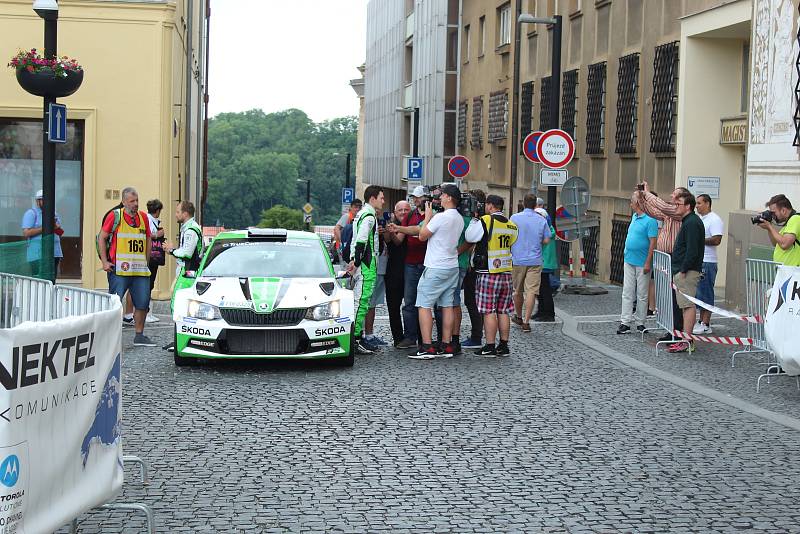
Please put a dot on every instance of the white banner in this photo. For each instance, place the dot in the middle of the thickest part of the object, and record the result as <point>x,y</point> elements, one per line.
<point>783,319</point>
<point>60,405</point>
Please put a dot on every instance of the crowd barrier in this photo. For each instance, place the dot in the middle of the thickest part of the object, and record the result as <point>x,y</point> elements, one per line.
<point>63,378</point>
<point>665,318</point>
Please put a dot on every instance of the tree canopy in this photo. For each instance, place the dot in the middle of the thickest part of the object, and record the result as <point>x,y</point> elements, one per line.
<point>256,158</point>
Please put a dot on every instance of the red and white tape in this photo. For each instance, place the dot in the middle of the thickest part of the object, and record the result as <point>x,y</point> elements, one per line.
<point>720,340</point>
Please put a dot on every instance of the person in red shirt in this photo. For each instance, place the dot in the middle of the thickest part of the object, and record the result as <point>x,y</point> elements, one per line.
<point>124,244</point>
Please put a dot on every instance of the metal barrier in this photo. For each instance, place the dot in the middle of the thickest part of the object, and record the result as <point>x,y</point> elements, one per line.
<point>665,319</point>
<point>758,281</point>
<point>24,299</point>
<point>71,301</point>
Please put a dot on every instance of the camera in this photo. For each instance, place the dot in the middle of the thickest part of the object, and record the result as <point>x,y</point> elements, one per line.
<point>640,187</point>
<point>764,216</point>
<point>470,206</point>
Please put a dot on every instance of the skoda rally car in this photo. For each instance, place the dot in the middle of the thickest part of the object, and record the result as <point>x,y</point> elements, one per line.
<point>264,293</point>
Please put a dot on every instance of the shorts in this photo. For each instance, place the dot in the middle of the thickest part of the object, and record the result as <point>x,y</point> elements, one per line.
<point>526,279</point>
<point>688,285</point>
<point>462,273</point>
<point>494,293</point>
<point>437,287</point>
<point>137,286</point>
<point>378,292</point>
<point>705,288</point>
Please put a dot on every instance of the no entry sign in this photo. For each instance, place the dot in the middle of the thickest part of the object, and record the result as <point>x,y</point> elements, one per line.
<point>555,149</point>
<point>458,166</point>
<point>529,146</point>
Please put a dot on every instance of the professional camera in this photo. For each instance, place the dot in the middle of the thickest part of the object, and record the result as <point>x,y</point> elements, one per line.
<point>764,216</point>
<point>470,206</point>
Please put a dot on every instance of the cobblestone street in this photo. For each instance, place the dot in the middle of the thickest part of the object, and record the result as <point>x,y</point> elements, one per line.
<point>556,438</point>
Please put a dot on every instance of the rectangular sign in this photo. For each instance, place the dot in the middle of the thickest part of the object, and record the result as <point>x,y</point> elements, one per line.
<point>414,169</point>
<point>733,131</point>
<point>553,176</point>
<point>57,123</point>
<point>348,194</point>
<point>708,185</point>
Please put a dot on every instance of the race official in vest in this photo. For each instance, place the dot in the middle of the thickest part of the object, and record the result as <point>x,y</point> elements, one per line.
<point>494,287</point>
<point>126,256</point>
<point>190,251</point>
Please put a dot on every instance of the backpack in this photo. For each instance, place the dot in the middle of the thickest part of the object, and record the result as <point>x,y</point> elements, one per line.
<point>116,212</point>
<point>347,237</point>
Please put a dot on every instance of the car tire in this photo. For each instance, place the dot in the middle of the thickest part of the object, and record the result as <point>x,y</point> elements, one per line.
<point>180,361</point>
<point>348,360</point>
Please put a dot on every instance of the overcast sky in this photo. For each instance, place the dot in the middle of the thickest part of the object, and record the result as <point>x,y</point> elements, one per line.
<point>281,54</point>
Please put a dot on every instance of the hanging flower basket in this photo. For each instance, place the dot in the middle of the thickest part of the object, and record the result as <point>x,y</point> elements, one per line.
<point>55,78</point>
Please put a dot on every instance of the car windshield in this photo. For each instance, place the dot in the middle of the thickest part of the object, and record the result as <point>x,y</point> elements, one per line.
<point>244,258</point>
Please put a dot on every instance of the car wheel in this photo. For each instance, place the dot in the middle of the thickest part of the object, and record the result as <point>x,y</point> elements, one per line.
<point>348,360</point>
<point>180,361</point>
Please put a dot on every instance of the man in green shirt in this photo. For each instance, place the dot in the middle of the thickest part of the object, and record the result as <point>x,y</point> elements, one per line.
<point>787,248</point>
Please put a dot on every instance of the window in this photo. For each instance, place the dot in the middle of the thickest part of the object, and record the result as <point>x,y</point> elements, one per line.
<point>461,137</point>
<point>504,25</point>
<point>627,104</point>
<point>574,6</point>
<point>465,44</point>
<point>544,105</point>
<point>482,36</point>
<point>596,109</point>
<point>244,258</point>
<point>476,141</point>
<point>525,110</point>
<point>498,115</point>
<point>569,101</point>
<point>665,99</point>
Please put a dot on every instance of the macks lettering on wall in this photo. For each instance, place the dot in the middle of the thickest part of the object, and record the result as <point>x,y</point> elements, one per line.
<point>49,360</point>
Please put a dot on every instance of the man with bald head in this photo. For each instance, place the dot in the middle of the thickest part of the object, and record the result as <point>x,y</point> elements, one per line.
<point>394,278</point>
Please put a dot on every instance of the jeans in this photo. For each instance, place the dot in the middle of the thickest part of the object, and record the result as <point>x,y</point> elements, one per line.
<point>635,286</point>
<point>705,288</point>
<point>412,275</point>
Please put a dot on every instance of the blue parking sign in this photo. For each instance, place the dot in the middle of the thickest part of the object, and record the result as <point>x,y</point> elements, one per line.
<point>348,194</point>
<point>415,169</point>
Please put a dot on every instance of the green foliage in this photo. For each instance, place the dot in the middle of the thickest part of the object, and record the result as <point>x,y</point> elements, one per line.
<point>279,216</point>
<point>255,159</point>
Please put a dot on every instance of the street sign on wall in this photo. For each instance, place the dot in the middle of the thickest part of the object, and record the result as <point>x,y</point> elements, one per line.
<point>555,149</point>
<point>708,185</point>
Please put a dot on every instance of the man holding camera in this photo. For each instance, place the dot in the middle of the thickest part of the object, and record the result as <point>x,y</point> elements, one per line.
<point>787,247</point>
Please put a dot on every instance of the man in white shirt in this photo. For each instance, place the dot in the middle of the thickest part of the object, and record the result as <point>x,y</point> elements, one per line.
<point>705,289</point>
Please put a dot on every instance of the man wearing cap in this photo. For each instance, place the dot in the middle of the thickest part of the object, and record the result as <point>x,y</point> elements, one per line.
<point>32,230</point>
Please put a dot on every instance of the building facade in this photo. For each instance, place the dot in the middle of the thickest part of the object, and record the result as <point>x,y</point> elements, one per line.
<point>138,119</point>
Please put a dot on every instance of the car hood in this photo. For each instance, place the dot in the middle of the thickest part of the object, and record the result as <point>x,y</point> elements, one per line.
<point>265,294</point>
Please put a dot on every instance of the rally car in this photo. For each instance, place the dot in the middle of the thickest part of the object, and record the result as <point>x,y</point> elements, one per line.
<point>263,293</point>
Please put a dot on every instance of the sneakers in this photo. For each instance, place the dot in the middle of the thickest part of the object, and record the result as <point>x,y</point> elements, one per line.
<point>502,349</point>
<point>372,339</point>
<point>407,344</point>
<point>681,347</point>
<point>447,350</point>
<point>701,328</point>
<point>666,337</point>
<point>169,347</point>
<point>141,340</point>
<point>640,328</point>
<point>489,351</point>
<point>623,329</point>
<point>544,318</point>
<point>526,327</point>
<point>424,352</point>
<point>127,321</point>
<point>472,344</point>
<point>517,320</point>
<point>651,313</point>
<point>363,347</point>
<point>151,318</point>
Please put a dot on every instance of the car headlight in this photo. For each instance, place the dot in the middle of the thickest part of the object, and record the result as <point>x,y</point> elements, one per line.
<point>201,310</point>
<point>323,312</point>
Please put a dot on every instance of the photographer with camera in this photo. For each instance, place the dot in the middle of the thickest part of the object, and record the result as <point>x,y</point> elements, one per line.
<point>780,212</point>
<point>494,237</point>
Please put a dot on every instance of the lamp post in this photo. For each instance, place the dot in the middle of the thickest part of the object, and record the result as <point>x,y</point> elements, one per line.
<point>308,197</point>
<point>555,90</point>
<point>48,11</point>
<point>346,168</point>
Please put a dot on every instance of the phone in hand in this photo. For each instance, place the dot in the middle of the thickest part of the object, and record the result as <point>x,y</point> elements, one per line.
<point>640,187</point>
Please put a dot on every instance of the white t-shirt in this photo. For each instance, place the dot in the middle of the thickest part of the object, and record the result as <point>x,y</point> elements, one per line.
<point>714,226</point>
<point>442,250</point>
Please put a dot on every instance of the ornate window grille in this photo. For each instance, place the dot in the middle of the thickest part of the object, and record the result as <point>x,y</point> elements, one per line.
<point>461,137</point>
<point>627,104</point>
<point>569,101</point>
<point>596,109</point>
<point>665,99</point>
<point>619,233</point>
<point>498,116</point>
<point>544,105</point>
<point>525,111</point>
<point>591,249</point>
<point>476,141</point>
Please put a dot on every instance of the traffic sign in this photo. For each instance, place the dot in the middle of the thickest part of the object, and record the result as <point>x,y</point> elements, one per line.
<point>555,148</point>
<point>308,208</point>
<point>575,197</point>
<point>307,218</point>
<point>348,194</point>
<point>458,166</point>
<point>529,146</point>
<point>415,169</point>
<point>57,123</point>
<point>553,176</point>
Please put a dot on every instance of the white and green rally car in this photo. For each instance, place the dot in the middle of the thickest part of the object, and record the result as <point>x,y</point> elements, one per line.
<point>263,293</point>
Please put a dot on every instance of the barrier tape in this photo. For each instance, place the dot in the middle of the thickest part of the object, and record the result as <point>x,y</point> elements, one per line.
<point>720,340</point>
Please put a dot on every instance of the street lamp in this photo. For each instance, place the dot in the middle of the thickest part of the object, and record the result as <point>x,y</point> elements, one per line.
<point>346,169</point>
<point>415,145</point>
<point>555,93</point>
<point>308,197</point>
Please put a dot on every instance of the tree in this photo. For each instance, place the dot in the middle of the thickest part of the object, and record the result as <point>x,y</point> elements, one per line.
<point>282,217</point>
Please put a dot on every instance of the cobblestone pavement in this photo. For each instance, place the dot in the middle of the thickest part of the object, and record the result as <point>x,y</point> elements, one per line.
<point>556,438</point>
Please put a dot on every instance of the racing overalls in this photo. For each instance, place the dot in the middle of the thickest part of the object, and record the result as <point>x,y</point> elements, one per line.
<point>365,259</point>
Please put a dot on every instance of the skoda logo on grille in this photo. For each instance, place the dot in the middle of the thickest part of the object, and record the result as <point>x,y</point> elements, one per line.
<point>262,307</point>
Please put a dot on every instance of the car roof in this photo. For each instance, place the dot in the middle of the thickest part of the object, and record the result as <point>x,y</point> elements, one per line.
<point>291,235</point>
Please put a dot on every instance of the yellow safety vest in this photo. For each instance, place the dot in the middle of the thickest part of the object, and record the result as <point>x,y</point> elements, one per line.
<point>503,235</point>
<point>131,258</point>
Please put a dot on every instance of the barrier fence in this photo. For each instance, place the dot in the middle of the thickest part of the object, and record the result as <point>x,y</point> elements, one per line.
<point>662,277</point>
<point>24,299</point>
<point>759,278</point>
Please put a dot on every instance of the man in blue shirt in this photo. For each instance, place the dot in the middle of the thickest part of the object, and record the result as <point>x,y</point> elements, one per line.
<point>526,257</point>
<point>639,246</point>
<point>32,230</point>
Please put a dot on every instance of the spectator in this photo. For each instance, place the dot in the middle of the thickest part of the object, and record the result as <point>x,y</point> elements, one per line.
<point>396,248</point>
<point>787,250</point>
<point>638,262</point>
<point>546,312</point>
<point>439,281</point>
<point>128,229</point>
<point>32,230</point>
<point>157,257</point>
<point>364,265</point>
<point>494,237</point>
<point>526,256</point>
<point>713,237</point>
<point>379,292</point>
<point>343,230</point>
<point>475,340</point>
<point>464,252</point>
<point>554,275</point>
<point>668,214</point>
<point>687,262</point>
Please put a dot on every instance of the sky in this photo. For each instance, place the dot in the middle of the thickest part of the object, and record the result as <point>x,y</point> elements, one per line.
<point>280,54</point>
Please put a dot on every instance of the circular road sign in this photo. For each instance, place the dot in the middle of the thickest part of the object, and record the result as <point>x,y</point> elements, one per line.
<point>555,149</point>
<point>458,166</point>
<point>575,197</point>
<point>529,146</point>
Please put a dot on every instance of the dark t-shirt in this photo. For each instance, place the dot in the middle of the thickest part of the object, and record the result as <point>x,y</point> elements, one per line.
<point>687,254</point>
<point>415,249</point>
<point>396,257</point>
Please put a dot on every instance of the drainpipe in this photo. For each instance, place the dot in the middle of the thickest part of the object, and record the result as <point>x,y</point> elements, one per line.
<point>187,127</point>
<point>205,111</point>
<point>514,148</point>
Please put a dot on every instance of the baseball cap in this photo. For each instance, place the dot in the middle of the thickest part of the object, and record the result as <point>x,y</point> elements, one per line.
<point>39,194</point>
<point>419,191</point>
<point>452,191</point>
